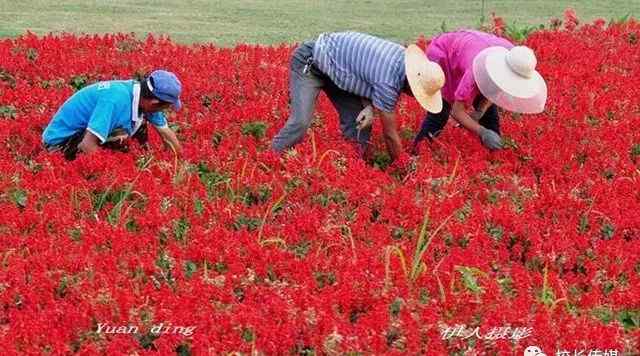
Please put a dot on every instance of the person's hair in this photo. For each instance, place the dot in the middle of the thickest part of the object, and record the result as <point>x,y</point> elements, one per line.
<point>145,92</point>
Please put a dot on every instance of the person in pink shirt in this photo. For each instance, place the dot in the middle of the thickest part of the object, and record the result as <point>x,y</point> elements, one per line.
<point>482,71</point>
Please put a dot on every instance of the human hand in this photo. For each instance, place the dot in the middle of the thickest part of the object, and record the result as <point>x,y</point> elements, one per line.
<point>490,138</point>
<point>365,118</point>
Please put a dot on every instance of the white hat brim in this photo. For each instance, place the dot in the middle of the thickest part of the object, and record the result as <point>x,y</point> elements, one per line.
<point>509,90</point>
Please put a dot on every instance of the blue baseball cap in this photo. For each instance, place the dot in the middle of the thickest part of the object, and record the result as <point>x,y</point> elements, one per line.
<point>166,87</point>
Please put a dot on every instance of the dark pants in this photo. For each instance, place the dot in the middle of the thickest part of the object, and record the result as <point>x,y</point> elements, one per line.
<point>68,147</point>
<point>433,124</point>
<point>305,83</point>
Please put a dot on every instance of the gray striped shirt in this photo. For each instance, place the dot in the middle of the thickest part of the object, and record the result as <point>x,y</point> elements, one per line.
<point>364,65</point>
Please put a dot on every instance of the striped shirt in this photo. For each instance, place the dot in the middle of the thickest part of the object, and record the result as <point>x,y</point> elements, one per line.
<point>364,65</point>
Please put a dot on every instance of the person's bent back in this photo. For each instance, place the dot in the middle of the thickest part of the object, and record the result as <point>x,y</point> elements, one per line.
<point>106,113</point>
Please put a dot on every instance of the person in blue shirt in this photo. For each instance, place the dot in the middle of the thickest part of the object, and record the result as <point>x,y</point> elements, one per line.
<point>359,73</point>
<point>107,113</point>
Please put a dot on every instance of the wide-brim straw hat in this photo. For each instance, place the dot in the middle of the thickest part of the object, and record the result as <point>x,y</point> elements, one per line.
<point>425,77</point>
<point>508,78</point>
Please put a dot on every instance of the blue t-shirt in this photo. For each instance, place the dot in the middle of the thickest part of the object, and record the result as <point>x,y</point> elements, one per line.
<point>99,108</point>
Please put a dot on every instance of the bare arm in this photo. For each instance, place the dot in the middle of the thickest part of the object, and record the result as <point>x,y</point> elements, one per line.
<point>390,133</point>
<point>170,138</point>
<point>489,138</point>
<point>484,105</point>
<point>460,114</point>
<point>481,109</point>
<point>90,143</point>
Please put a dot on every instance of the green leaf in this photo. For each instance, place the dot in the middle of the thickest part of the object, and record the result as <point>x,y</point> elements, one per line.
<point>75,234</point>
<point>146,340</point>
<point>61,289</point>
<point>216,139</point>
<point>246,222</point>
<point>32,54</point>
<point>547,297</point>
<point>495,231</point>
<point>303,350</point>
<point>381,160</point>
<point>470,279</point>
<point>603,313</point>
<point>583,224</point>
<point>257,129</point>
<point>324,279</point>
<point>212,179</point>
<point>164,262</point>
<point>8,112</point>
<point>79,81</point>
<point>220,267</point>
<point>620,20</point>
<point>250,196</point>
<point>506,286</point>
<point>519,34</point>
<point>118,199</point>
<point>593,121</point>
<point>635,152</point>
<point>175,126</point>
<point>8,78</point>
<point>508,142</point>
<point>131,225</point>
<point>423,296</point>
<point>198,206</point>
<point>248,335</point>
<point>464,212</point>
<point>301,249</point>
<point>608,174</point>
<point>183,350</point>
<point>581,158</point>
<point>395,307</point>
<point>630,319</point>
<point>190,268</point>
<point>180,228</point>
<point>397,233</point>
<point>607,230</point>
<point>19,198</point>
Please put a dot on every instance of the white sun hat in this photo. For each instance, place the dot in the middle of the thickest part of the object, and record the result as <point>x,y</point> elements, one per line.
<point>425,77</point>
<point>509,79</point>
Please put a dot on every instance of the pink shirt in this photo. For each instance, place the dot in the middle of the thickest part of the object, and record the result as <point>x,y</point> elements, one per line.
<point>454,52</point>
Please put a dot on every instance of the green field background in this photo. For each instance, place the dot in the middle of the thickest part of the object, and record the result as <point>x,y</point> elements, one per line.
<point>268,22</point>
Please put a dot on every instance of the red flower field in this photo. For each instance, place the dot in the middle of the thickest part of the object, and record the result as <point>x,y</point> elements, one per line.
<point>235,250</point>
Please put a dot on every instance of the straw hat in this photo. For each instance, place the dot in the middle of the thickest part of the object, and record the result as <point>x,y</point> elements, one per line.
<point>509,79</point>
<point>425,78</point>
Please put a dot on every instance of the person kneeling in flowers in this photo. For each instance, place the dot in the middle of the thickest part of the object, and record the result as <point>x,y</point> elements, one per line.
<point>482,71</point>
<point>106,113</point>
<point>358,72</point>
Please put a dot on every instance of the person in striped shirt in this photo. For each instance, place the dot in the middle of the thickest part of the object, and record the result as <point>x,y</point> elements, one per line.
<point>359,73</point>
